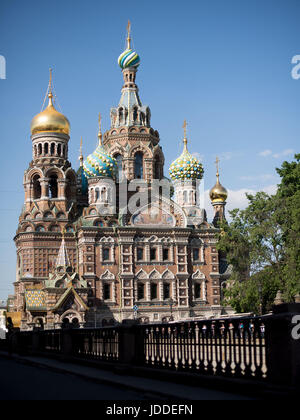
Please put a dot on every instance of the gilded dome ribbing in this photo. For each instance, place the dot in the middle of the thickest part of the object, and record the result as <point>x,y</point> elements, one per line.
<point>50,120</point>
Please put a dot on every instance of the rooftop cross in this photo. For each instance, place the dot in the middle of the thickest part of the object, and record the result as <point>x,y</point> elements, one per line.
<point>128,35</point>
<point>217,165</point>
<point>99,133</point>
<point>184,134</point>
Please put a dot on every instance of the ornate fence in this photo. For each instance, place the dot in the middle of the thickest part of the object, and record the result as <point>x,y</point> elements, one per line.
<point>258,348</point>
<point>235,347</point>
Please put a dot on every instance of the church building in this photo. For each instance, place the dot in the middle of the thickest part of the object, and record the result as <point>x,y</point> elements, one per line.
<point>116,239</point>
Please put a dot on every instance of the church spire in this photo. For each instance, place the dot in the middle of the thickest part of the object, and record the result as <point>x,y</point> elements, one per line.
<point>62,258</point>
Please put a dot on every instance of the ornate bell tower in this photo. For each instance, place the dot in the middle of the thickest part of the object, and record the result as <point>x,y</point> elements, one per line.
<point>49,179</point>
<point>50,198</point>
<point>131,140</point>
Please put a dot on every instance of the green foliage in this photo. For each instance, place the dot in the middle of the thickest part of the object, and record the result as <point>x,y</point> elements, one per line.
<point>262,243</point>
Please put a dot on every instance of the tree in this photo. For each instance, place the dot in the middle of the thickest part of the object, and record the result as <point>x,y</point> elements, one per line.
<point>262,243</point>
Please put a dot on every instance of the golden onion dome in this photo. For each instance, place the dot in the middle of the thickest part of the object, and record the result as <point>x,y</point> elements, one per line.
<point>218,192</point>
<point>50,120</point>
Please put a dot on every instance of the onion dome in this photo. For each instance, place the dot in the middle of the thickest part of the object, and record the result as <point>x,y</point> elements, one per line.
<point>186,166</point>
<point>128,58</point>
<point>100,163</point>
<point>218,193</point>
<point>50,120</point>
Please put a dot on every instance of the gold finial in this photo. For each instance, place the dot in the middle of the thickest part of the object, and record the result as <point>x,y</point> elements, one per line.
<point>184,135</point>
<point>50,83</point>
<point>128,35</point>
<point>81,155</point>
<point>100,133</point>
<point>217,165</point>
<point>50,88</point>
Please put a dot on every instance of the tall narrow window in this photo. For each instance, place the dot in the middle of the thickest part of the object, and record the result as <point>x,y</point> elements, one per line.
<point>153,291</point>
<point>166,291</point>
<point>152,254</point>
<point>105,254</point>
<point>140,254</point>
<point>138,165</point>
<point>106,291</point>
<point>36,187</point>
<point>166,254</point>
<point>118,158</point>
<point>53,186</point>
<point>197,291</point>
<point>196,254</point>
<point>141,291</point>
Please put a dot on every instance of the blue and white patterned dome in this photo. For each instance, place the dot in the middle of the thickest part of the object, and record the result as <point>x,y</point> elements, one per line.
<point>129,58</point>
<point>100,163</point>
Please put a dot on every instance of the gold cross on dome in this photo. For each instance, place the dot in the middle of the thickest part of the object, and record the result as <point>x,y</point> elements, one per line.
<point>99,120</point>
<point>184,128</point>
<point>128,34</point>
<point>217,164</point>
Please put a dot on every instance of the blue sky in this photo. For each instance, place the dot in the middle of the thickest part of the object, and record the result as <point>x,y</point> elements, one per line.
<point>224,66</point>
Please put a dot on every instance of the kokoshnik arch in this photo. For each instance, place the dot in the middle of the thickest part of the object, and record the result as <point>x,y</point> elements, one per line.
<point>81,258</point>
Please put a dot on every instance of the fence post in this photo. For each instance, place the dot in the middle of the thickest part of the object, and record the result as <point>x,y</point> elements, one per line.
<point>66,343</point>
<point>283,351</point>
<point>129,344</point>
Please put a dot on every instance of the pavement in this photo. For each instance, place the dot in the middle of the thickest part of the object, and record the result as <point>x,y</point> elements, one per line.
<point>101,384</point>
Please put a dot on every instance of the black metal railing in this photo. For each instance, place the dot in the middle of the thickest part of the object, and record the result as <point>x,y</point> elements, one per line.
<point>96,344</point>
<point>253,348</point>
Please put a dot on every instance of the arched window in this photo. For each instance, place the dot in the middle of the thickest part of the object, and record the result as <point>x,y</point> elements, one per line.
<point>120,115</point>
<point>119,158</point>
<point>185,196</point>
<point>39,149</point>
<point>59,149</point>
<point>138,165</point>
<point>46,148</point>
<point>135,114</point>
<point>40,229</point>
<point>36,187</point>
<point>52,149</point>
<point>97,194</point>
<point>53,187</point>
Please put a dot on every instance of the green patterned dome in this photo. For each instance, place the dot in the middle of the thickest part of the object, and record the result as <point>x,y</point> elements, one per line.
<point>186,166</point>
<point>100,163</point>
